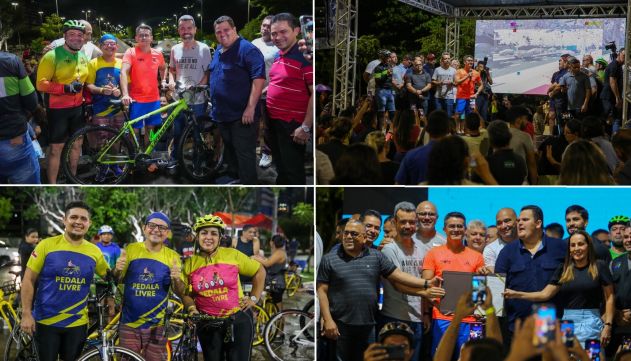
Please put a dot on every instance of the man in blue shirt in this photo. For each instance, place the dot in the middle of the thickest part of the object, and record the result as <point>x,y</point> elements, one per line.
<point>237,76</point>
<point>413,169</point>
<point>528,263</point>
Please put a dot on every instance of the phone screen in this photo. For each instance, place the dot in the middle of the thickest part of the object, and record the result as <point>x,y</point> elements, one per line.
<point>306,26</point>
<point>567,332</point>
<point>476,331</point>
<point>545,320</point>
<point>395,352</point>
<point>593,349</point>
<point>478,289</point>
<point>626,343</point>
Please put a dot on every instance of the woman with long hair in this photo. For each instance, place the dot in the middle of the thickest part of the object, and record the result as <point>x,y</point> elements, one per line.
<point>406,132</point>
<point>213,288</point>
<point>584,163</point>
<point>583,285</point>
<point>275,267</point>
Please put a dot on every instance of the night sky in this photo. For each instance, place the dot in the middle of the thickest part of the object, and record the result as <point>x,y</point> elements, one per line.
<point>128,12</point>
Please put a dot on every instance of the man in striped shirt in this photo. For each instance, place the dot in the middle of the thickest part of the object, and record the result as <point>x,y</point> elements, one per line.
<point>289,101</point>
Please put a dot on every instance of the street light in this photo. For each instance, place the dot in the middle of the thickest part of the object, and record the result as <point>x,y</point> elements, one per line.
<point>175,16</point>
<point>15,7</point>
<point>201,22</point>
<point>41,16</point>
<point>86,13</point>
<point>100,29</point>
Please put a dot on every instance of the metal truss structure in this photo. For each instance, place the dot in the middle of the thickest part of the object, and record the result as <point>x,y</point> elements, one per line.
<point>626,84</point>
<point>345,53</point>
<point>545,12</point>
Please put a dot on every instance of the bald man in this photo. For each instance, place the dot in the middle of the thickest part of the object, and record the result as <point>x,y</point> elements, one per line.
<point>506,223</point>
<point>426,237</point>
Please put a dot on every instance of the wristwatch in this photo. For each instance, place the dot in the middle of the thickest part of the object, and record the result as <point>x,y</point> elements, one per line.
<point>254,299</point>
<point>305,128</point>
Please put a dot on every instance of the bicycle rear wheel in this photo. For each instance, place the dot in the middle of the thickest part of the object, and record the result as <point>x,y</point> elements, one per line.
<point>115,353</point>
<point>20,347</point>
<point>200,152</point>
<point>285,339</point>
<point>119,158</point>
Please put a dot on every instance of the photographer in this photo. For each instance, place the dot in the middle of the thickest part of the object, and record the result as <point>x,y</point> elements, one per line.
<point>483,99</point>
<point>395,343</point>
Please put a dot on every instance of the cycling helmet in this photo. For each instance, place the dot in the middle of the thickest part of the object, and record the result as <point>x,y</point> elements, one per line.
<point>619,219</point>
<point>105,229</point>
<point>602,62</point>
<point>396,328</point>
<point>383,53</point>
<point>209,220</point>
<point>74,25</point>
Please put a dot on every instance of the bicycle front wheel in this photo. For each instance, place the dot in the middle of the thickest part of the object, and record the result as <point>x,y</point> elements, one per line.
<point>114,353</point>
<point>286,339</point>
<point>200,152</point>
<point>94,166</point>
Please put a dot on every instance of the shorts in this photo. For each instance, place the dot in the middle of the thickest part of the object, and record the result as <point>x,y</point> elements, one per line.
<point>64,122</point>
<point>139,109</point>
<point>463,106</point>
<point>385,100</point>
<point>18,162</point>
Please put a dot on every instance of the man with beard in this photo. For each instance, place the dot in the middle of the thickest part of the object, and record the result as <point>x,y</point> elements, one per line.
<point>617,225</point>
<point>528,263</point>
<point>576,218</point>
<point>408,256</point>
<point>61,268</point>
<point>453,256</point>
<point>348,297</point>
<point>189,62</point>
<point>506,222</point>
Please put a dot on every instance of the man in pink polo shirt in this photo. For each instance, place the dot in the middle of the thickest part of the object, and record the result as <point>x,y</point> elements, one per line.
<point>289,101</point>
<point>139,80</point>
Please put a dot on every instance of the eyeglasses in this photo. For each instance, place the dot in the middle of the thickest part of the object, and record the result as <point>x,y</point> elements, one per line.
<point>353,234</point>
<point>109,44</point>
<point>425,214</point>
<point>153,226</point>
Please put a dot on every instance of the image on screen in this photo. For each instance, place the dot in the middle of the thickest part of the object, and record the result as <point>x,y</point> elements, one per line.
<point>523,54</point>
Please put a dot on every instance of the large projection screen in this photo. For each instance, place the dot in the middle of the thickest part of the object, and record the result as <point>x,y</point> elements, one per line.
<point>523,54</point>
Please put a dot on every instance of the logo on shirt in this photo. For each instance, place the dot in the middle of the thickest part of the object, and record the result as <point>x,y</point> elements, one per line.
<point>33,254</point>
<point>146,276</point>
<point>216,281</point>
<point>71,269</point>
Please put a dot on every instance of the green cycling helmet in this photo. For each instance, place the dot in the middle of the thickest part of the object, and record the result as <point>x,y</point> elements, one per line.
<point>74,25</point>
<point>619,219</point>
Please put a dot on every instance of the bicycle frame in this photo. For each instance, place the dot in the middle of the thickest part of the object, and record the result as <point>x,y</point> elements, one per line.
<point>127,128</point>
<point>302,341</point>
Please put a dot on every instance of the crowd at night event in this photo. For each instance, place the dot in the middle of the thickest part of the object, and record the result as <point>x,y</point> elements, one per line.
<point>538,290</point>
<point>261,94</point>
<point>434,119</point>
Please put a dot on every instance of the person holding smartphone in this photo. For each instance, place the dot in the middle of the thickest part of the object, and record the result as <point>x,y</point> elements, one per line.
<point>583,285</point>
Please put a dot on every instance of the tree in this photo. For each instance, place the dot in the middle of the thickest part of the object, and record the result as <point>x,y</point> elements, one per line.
<point>51,27</point>
<point>303,213</point>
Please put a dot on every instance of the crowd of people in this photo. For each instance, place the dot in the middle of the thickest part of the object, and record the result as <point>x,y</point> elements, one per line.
<point>439,123</point>
<point>261,94</point>
<point>59,270</point>
<point>583,276</point>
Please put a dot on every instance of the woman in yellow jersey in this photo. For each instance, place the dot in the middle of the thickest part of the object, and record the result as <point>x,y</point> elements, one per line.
<point>213,288</point>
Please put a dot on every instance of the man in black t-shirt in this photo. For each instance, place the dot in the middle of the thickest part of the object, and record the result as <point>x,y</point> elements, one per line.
<point>551,150</point>
<point>611,95</point>
<point>384,87</point>
<point>576,218</point>
<point>418,83</point>
<point>506,166</point>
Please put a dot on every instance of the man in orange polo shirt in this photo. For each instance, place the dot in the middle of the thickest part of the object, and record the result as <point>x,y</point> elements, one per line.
<point>139,80</point>
<point>466,80</point>
<point>453,256</point>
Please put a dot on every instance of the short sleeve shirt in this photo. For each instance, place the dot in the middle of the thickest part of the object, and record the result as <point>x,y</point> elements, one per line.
<point>577,89</point>
<point>65,273</point>
<point>147,279</point>
<point>190,65</point>
<point>143,74</point>
<point>583,292</point>
<point>214,283</point>
<point>111,252</point>
<point>103,73</point>
<point>396,304</point>
<point>467,88</point>
<point>491,251</point>
<point>353,283</point>
<point>269,51</point>
<point>63,67</point>
<point>521,143</point>
<point>444,75</point>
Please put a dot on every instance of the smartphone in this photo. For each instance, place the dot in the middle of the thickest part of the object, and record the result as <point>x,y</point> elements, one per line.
<point>395,352</point>
<point>306,26</point>
<point>478,289</point>
<point>567,332</point>
<point>626,343</point>
<point>476,331</point>
<point>545,324</point>
<point>593,349</point>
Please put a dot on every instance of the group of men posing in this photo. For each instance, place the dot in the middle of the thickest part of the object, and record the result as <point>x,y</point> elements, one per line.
<point>238,74</point>
<point>412,257</point>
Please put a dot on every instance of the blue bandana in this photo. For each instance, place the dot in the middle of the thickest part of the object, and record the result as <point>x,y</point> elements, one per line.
<point>159,215</point>
<point>107,37</point>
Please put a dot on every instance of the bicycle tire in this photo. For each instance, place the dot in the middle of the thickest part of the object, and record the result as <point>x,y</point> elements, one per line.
<point>284,340</point>
<point>200,150</point>
<point>91,171</point>
<point>186,347</point>
<point>122,352</point>
<point>27,350</point>
<point>175,328</point>
<point>261,317</point>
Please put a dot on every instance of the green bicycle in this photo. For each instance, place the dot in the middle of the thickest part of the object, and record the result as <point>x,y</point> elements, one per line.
<point>109,155</point>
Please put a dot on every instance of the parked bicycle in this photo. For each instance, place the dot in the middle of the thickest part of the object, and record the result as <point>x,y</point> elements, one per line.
<point>289,335</point>
<point>109,155</point>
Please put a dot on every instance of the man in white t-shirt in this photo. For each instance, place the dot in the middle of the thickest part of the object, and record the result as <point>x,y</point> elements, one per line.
<point>368,78</point>
<point>88,48</point>
<point>443,82</point>
<point>269,50</point>
<point>506,222</point>
<point>188,66</point>
<point>426,236</point>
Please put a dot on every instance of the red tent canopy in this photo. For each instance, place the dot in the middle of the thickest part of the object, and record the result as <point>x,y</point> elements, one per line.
<point>258,220</point>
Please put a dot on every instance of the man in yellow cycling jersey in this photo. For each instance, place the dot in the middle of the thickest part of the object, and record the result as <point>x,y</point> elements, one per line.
<point>212,276</point>
<point>60,76</point>
<point>62,267</point>
<point>148,270</point>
